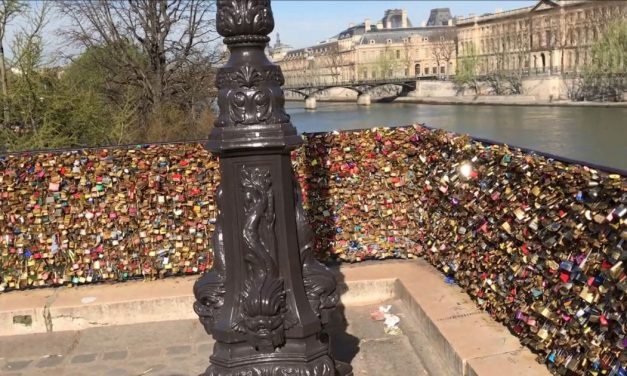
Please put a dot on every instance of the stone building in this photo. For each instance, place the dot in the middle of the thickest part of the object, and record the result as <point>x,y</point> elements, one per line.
<point>550,37</point>
<point>389,48</point>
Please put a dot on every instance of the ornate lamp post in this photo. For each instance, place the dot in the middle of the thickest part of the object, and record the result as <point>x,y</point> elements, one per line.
<point>267,299</point>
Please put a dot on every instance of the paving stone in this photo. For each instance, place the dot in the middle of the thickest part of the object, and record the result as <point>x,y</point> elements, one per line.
<point>176,350</point>
<point>383,357</point>
<point>157,367</point>
<point>205,348</point>
<point>145,353</point>
<point>84,358</point>
<point>115,355</point>
<point>118,372</point>
<point>148,355</point>
<point>50,361</point>
<point>16,365</point>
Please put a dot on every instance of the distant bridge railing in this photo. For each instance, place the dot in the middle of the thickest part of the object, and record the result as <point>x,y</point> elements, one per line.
<point>354,83</point>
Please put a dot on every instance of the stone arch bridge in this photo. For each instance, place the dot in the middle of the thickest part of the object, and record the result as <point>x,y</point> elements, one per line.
<point>362,88</point>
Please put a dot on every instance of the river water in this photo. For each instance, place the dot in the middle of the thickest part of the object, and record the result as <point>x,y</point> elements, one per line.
<point>591,134</point>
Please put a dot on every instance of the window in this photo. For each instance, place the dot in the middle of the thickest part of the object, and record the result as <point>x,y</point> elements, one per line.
<point>405,40</point>
<point>372,41</point>
<point>442,70</point>
<point>398,54</point>
<point>425,39</point>
<point>389,41</point>
<point>434,70</point>
<point>426,70</point>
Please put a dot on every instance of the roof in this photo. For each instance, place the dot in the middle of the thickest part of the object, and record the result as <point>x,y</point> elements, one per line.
<point>318,48</point>
<point>518,11</point>
<point>439,17</point>
<point>397,35</point>
<point>395,18</point>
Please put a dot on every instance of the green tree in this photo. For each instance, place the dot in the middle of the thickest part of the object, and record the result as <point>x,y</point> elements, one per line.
<point>604,78</point>
<point>47,111</point>
<point>159,51</point>
<point>9,9</point>
<point>386,63</point>
<point>466,75</point>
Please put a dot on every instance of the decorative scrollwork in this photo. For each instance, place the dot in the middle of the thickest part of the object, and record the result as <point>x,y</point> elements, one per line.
<point>250,77</point>
<point>209,289</point>
<point>323,366</point>
<point>263,296</point>
<point>320,283</point>
<point>251,95</point>
<point>244,18</point>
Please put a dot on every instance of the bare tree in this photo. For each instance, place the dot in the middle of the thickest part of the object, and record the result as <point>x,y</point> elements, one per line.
<point>335,60</point>
<point>9,9</point>
<point>511,58</point>
<point>444,44</point>
<point>408,58</point>
<point>155,44</point>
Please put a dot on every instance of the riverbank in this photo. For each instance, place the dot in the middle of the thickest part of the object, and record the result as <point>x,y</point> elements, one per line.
<point>490,100</point>
<point>505,101</point>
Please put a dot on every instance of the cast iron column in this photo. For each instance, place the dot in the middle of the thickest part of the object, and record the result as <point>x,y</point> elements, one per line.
<point>267,299</point>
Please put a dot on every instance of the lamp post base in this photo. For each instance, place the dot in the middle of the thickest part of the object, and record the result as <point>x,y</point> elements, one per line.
<point>323,366</point>
<point>297,358</point>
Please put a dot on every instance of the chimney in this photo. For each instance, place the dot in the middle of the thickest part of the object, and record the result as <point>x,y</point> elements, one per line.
<point>423,24</point>
<point>367,24</point>
<point>388,23</point>
<point>380,25</point>
<point>351,25</point>
<point>404,19</point>
<point>450,22</point>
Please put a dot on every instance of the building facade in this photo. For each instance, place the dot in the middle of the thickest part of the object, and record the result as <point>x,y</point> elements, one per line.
<point>389,48</point>
<point>553,36</point>
<point>549,37</point>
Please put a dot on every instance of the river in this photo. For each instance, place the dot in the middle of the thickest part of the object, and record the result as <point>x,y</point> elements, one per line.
<point>593,134</point>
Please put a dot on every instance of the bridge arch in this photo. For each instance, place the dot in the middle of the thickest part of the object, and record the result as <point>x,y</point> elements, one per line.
<point>313,91</point>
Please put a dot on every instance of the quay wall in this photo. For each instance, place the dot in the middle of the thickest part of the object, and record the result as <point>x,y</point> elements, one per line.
<point>537,242</point>
<point>544,89</point>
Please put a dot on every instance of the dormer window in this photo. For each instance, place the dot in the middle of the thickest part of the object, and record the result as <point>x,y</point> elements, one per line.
<point>405,40</point>
<point>372,41</point>
<point>389,41</point>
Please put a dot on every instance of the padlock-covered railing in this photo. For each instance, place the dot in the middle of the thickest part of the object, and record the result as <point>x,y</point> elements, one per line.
<point>538,243</point>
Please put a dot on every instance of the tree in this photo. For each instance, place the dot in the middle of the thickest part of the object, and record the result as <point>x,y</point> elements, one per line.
<point>605,78</point>
<point>46,112</point>
<point>408,59</point>
<point>512,57</point>
<point>9,9</point>
<point>385,63</point>
<point>155,47</point>
<point>466,75</point>
<point>444,45</point>
<point>335,61</point>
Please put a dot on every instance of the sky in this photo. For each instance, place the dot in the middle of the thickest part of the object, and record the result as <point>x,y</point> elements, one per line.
<point>303,23</point>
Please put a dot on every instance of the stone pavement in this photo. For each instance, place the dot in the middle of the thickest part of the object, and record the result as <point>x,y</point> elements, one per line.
<point>178,348</point>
